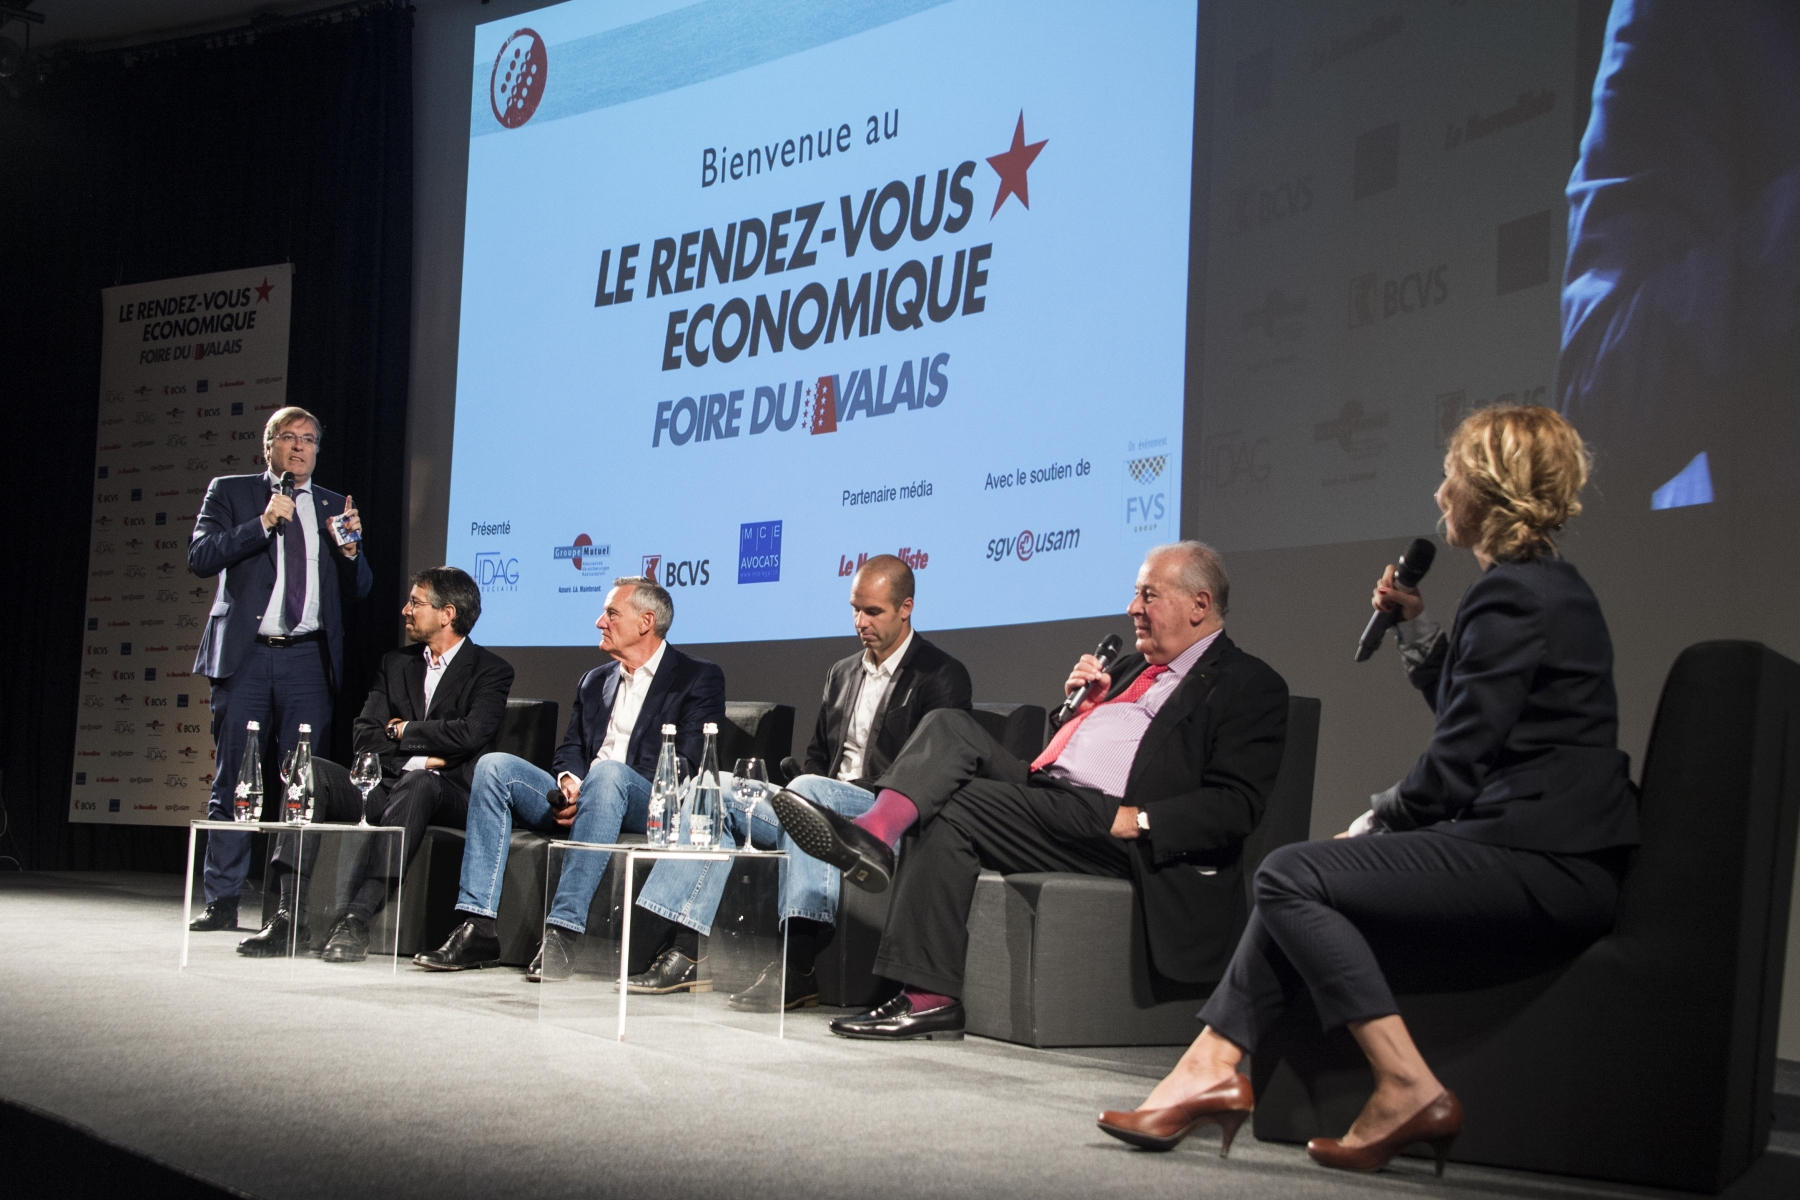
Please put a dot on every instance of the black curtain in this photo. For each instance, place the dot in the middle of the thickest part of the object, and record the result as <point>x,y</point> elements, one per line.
<point>285,141</point>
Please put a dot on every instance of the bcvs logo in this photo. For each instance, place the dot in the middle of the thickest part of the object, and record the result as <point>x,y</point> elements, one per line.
<point>685,573</point>
<point>1257,207</point>
<point>1373,298</point>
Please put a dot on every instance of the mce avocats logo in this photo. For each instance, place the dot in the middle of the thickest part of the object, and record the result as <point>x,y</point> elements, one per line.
<point>517,84</point>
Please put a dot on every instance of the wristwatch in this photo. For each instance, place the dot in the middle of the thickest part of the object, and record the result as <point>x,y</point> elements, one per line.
<point>393,731</point>
<point>1143,820</point>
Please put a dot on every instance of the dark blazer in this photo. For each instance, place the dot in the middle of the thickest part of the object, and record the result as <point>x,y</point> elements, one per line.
<point>926,678</point>
<point>229,541</point>
<point>464,719</point>
<point>687,693</point>
<point>1525,753</point>
<point>1202,775</point>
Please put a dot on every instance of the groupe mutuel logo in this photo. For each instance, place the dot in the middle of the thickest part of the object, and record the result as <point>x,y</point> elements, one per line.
<point>521,70</point>
<point>1028,545</point>
<point>588,558</point>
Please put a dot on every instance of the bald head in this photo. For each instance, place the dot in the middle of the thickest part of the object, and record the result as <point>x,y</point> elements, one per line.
<point>881,601</point>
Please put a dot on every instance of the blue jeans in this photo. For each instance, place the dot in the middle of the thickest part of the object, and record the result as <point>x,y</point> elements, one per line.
<point>688,892</point>
<point>509,790</point>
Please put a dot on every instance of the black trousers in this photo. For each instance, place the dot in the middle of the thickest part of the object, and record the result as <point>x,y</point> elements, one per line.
<point>979,806</point>
<point>413,801</point>
<point>1328,912</point>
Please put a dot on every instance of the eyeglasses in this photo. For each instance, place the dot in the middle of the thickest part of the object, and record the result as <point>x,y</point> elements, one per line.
<point>290,440</point>
<point>413,602</point>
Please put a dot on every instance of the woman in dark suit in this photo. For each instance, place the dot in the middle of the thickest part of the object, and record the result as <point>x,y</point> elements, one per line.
<point>1513,823</point>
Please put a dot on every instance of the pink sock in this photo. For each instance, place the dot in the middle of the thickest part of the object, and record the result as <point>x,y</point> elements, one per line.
<point>923,1001</point>
<point>892,816</point>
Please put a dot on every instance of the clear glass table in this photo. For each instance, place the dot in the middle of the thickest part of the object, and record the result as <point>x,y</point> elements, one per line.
<point>745,943</point>
<point>333,862</point>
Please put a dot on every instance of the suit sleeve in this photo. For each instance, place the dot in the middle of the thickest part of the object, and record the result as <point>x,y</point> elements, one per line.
<point>368,734</point>
<point>355,574</point>
<point>219,541</point>
<point>1242,761</point>
<point>704,701</point>
<point>818,751</point>
<point>1500,644</point>
<point>572,756</point>
<point>458,739</point>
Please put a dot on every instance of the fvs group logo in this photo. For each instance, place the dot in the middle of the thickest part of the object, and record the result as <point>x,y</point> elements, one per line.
<point>521,70</point>
<point>759,552</point>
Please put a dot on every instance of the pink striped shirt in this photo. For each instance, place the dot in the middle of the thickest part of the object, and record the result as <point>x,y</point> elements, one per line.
<point>1099,755</point>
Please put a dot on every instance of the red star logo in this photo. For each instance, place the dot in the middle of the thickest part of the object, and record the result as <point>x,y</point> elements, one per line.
<point>262,293</point>
<point>1012,165</point>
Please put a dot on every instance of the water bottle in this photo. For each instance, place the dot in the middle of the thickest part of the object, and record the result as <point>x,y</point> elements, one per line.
<point>708,803</point>
<point>662,826</point>
<point>247,797</point>
<point>299,799</point>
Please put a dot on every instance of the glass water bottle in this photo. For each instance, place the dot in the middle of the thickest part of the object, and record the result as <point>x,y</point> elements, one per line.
<point>707,811</point>
<point>299,799</point>
<point>247,796</point>
<point>662,827</point>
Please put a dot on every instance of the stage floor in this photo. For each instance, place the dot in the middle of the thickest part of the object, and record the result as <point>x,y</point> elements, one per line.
<point>301,1083</point>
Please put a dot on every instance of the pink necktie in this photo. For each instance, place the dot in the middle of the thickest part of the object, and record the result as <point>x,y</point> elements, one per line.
<point>1138,687</point>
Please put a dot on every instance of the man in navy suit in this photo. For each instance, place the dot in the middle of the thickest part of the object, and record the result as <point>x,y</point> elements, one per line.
<point>273,645</point>
<point>602,773</point>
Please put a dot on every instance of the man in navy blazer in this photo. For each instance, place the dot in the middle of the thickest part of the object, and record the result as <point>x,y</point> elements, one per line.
<point>273,645</point>
<point>602,773</point>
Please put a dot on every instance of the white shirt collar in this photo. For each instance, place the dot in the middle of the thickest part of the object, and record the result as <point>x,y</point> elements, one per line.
<point>891,663</point>
<point>439,664</point>
<point>649,669</point>
<point>275,482</point>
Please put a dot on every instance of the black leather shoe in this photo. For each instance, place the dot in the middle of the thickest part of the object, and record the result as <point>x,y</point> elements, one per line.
<point>466,950</point>
<point>271,941</point>
<point>555,960</point>
<point>866,861</point>
<point>672,971</point>
<point>348,940</point>
<point>896,1021</point>
<point>802,991</point>
<point>218,914</point>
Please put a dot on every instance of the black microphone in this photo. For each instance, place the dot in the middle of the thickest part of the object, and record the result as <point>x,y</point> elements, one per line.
<point>287,489</point>
<point>1106,651</point>
<point>1413,565</point>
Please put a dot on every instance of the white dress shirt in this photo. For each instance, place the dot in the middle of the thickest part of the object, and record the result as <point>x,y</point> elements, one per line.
<point>274,620</point>
<point>434,675</point>
<point>876,680</point>
<point>628,703</point>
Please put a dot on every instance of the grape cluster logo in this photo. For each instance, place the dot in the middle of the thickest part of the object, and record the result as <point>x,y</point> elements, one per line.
<point>517,84</point>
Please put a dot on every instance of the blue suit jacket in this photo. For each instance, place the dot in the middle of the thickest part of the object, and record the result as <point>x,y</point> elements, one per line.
<point>1526,748</point>
<point>686,693</point>
<point>229,541</point>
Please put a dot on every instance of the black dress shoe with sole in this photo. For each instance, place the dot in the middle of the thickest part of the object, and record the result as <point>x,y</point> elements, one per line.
<point>802,991</point>
<point>672,971</point>
<point>348,940</point>
<point>555,959</point>
<point>866,861</point>
<point>271,941</point>
<point>465,950</point>
<point>218,914</point>
<point>896,1021</point>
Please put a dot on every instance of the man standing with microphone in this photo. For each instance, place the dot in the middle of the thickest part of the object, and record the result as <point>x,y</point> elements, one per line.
<point>286,553</point>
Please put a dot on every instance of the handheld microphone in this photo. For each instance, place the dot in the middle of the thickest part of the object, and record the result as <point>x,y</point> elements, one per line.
<point>1106,651</point>
<point>1413,565</point>
<point>287,489</point>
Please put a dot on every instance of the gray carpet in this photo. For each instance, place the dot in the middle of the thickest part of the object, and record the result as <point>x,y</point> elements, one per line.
<point>309,1080</point>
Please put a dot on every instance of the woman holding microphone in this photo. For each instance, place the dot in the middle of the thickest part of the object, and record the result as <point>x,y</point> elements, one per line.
<point>1512,826</point>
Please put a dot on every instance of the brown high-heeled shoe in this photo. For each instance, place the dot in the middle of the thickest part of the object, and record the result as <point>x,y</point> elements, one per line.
<point>1226,1105</point>
<point>1437,1125</point>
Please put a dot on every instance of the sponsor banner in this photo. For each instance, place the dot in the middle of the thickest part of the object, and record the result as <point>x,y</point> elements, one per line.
<point>811,307</point>
<point>190,369</point>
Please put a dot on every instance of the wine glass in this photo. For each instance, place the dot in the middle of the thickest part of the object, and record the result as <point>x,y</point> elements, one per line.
<point>749,784</point>
<point>365,773</point>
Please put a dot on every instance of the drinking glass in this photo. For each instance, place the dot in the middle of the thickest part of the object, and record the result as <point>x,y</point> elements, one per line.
<point>365,773</point>
<point>749,784</point>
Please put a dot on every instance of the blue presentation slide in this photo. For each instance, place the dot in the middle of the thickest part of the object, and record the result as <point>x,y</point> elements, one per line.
<point>752,292</point>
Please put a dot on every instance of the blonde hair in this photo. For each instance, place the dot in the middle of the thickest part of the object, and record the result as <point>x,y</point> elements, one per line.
<point>1517,472</point>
